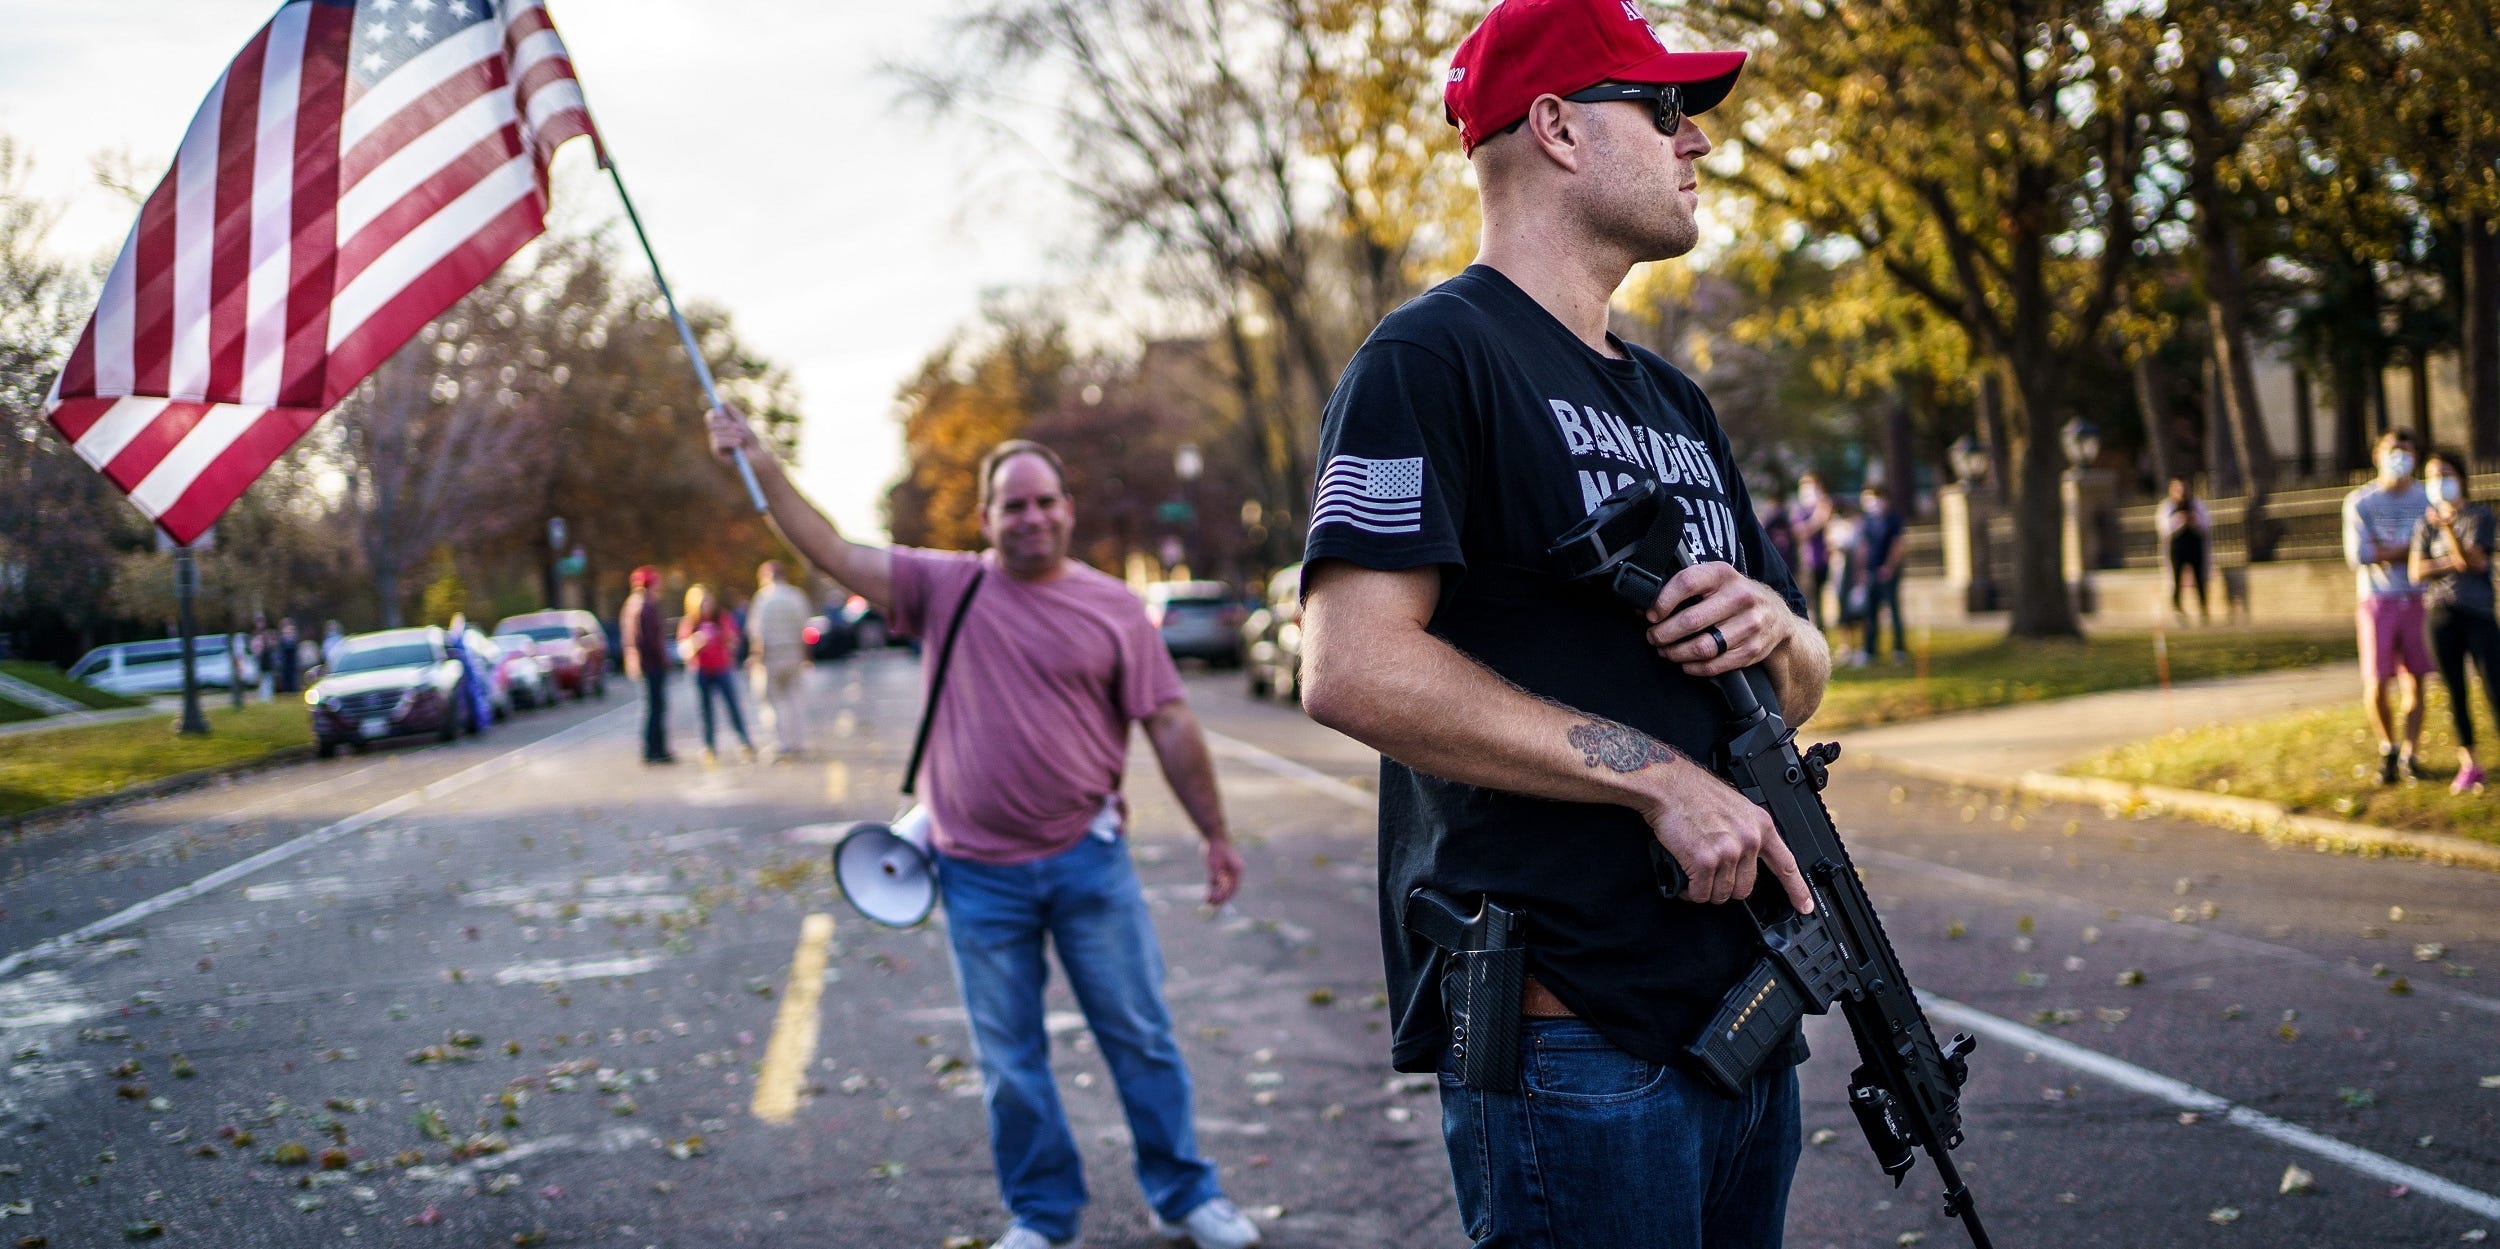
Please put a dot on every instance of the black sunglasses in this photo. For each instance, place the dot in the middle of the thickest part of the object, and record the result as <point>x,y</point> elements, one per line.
<point>1666,98</point>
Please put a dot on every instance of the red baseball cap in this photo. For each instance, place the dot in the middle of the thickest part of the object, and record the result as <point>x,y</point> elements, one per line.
<point>1527,48</point>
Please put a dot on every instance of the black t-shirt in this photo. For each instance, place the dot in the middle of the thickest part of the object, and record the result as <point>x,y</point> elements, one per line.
<point>1469,433</point>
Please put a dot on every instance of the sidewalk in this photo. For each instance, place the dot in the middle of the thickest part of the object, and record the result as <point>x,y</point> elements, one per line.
<point>2021,748</point>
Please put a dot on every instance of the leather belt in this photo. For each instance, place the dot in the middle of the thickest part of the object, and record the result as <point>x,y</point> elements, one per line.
<point>1538,1002</point>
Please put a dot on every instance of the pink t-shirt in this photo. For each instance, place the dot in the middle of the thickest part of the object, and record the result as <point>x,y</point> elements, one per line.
<point>1032,728</point>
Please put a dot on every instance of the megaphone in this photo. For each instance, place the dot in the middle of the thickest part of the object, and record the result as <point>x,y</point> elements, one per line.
<point>885,870</point>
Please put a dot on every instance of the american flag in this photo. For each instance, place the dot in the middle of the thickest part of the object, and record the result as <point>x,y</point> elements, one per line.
<point>1379,496</point>
<point>358,168</point>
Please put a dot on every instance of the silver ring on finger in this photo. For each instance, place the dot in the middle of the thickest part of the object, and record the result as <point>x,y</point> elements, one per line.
<point>1719,638</point>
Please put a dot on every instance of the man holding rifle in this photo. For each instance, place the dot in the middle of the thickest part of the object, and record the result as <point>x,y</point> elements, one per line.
<point>1535,743</point>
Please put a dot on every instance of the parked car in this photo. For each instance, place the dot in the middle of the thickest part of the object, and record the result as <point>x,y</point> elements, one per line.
<point>396,683</point>
<point>1271,639</point>
<point>529,671</point>
<point>1198,620</point>
<point>574,643</point>
<point>850,625</point>
<point>138,669</point>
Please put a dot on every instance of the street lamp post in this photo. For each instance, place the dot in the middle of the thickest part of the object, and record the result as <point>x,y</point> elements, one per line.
<point>1187,464</point>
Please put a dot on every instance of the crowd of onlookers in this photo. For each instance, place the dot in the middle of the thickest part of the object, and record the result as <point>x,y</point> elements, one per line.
<point>1846,560</point>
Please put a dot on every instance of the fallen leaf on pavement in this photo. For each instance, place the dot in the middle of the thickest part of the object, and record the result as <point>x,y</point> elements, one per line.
<point>2296,1180</point>
<point>2223,1214</point>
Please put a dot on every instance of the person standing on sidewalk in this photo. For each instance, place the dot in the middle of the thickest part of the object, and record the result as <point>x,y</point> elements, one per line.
<point>2451,561</point>
<point>1880,551</point>
<point>2379,520</point>
<point>1538,739</point>
<point>708,639</point>
<point>776,627</point>
<point>1810,520</point>
<point>2183,523</point>
<point>1022,784</point>
<point>643,637</point>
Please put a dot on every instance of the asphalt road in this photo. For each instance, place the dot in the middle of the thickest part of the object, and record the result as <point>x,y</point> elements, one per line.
<point>523,990</point>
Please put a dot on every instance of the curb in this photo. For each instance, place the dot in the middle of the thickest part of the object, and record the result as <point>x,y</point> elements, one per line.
<point>16,825</point>
<point>2270,820</point>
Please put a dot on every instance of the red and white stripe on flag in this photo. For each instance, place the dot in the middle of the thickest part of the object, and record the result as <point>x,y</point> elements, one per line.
<point>359,167</point>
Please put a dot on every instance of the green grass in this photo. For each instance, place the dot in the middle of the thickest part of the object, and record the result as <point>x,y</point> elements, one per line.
<point>47,677</point>
<point>46,768</point>
<point>1963,670</point>
<point>2319,762</point>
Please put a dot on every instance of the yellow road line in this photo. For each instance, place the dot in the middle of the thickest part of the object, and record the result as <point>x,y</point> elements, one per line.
<point>793,1043</point>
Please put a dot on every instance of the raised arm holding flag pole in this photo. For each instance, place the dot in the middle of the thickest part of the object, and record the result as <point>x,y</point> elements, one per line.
<point>359,167</point>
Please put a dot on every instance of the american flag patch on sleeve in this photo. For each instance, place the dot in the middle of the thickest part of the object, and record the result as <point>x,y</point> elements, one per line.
<point>1376,496</point>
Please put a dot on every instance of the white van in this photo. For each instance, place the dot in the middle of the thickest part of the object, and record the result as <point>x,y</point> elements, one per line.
<point>139,669</point>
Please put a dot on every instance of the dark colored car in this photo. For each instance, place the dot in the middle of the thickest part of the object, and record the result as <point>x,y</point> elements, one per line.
<point>850,625</point>
<point>1271,639</point>
<point>396,683</point>
<point>575,645</point>
<point>1198,620</point>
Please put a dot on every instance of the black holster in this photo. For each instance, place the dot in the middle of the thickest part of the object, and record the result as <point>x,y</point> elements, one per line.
<point>1483,970</point>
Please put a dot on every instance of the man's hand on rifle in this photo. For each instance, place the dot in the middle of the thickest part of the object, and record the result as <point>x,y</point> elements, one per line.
<point>1746,613</point>
<point>1722,840</point>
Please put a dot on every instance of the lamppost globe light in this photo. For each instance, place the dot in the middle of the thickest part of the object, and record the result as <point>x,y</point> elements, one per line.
<point>2081,440</point>
<point>1187,463</point>
<point>1969,460</point>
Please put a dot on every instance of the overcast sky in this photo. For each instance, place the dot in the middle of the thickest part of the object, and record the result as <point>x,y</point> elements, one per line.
<point>761,142</point>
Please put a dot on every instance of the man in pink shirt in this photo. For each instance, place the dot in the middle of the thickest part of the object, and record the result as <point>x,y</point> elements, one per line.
<point>1030,736</point>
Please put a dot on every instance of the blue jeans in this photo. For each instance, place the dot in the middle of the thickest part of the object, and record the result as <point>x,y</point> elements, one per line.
<point>1086,900</point>
<point>654,714</point>
<point>1883,592</point>
<point>723,685</point>
<point>1618,1151</point>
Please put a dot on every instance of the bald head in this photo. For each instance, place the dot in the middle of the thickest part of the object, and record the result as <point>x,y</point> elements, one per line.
<point>769,573</point>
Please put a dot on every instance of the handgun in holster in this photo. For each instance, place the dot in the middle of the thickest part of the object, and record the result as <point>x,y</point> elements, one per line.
<point>1483,970</point>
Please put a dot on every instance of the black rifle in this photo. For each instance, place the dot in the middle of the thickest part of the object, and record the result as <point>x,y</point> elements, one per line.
<point>1906,1089</point>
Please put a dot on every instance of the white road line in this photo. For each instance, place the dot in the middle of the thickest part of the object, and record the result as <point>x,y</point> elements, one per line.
<point>2189,1097</point>
<point>551,971</point>
<point>2005,890</point>
<point>319,837</point>
<point>2065,1053</point>
<point>1234,747</point>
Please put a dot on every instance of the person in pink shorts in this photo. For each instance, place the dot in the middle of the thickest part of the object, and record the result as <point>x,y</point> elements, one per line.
<point>2379,520</point>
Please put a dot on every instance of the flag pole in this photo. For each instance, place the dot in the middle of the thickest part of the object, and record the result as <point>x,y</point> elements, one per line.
<point>702,371</point>
<point>187,588</point>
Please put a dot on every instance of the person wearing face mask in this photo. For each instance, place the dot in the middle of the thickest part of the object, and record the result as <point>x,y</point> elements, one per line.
<point>2451,561</point>
<point>2379,520</point>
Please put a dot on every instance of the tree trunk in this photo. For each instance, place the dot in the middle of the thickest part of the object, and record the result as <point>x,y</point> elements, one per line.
<point>2304,424</point>
<point>2222,462</point>
<point>2152,403</point>
<point>1992,431</point>
<point>2418,366</point>
<point>1900,456</point>
<point>2481,345</point>
<point>2044,607</point>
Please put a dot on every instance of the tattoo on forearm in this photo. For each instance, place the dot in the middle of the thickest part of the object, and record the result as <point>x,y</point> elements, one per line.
<point>1617,747</point>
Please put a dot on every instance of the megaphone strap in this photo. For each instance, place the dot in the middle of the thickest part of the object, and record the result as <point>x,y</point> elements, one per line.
<point>937,680</point>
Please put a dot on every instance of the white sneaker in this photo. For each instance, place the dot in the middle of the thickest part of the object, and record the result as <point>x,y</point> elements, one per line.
<point>1219,1224</point>
<point>1022,1237</point>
